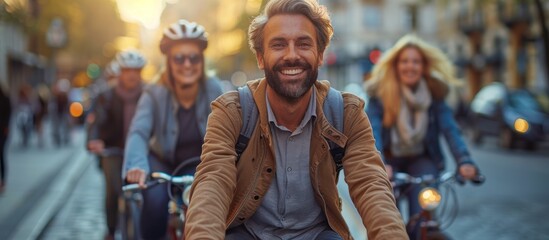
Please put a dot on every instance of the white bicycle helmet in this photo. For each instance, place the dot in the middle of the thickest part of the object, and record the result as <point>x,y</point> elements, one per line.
<point>112,69</point>
<point>130,59</point>
<point>183,30</point>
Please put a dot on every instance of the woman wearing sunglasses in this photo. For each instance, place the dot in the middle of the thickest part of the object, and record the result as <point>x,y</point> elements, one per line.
<point>170,121</point>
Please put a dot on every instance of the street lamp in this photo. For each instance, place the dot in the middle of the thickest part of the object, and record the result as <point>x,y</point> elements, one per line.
<point>56,38</point>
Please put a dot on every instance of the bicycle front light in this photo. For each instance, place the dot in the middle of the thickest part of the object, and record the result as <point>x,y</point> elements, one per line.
<point>429,199</point>
<point>186,195</point>
<point>521,125</point>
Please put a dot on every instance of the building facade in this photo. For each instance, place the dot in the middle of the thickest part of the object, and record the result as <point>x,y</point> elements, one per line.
<point>488,40</point>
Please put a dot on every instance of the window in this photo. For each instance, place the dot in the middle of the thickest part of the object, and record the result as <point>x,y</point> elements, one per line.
<point>410,18</point>
<point>371,16</point>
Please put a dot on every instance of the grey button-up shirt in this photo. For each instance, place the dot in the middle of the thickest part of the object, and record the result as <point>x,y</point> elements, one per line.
<point>289,209</point>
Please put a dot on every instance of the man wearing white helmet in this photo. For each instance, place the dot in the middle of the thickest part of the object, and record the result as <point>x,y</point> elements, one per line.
<point>170,122</point>
<point>113,111</point>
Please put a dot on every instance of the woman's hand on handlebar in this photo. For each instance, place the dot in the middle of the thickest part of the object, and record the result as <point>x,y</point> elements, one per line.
<point>137,175</point>
<point>468,171</point>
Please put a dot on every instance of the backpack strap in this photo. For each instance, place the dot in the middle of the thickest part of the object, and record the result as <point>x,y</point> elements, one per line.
<point>249,119</point>
<point>333,111</point>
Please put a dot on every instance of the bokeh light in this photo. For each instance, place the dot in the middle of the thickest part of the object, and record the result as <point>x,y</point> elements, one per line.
<point>146,12</point>
<point>76,109</point>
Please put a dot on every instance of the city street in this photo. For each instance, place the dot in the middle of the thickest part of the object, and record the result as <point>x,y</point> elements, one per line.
<point>118,70</point>
<point>39,179</point>
<point>512,204</point>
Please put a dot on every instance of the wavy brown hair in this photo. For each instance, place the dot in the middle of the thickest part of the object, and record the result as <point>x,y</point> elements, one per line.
<point>315,12</point>
<point>384,83</point>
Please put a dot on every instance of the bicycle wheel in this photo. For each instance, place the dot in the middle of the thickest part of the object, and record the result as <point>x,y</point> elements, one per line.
<point>130,213</point>
<point>123,218</point>
<point>135,215</point>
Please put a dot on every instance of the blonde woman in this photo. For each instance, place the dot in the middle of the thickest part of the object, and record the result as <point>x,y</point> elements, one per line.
<point>407,112</point>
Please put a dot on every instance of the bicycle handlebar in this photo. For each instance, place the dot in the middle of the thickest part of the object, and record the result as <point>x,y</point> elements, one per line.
<point>160,177</point>
<point>179,180</point>
<point>111,152</point>
<point>135,186</point>
<point>477,180</point>
<point>400,178</point>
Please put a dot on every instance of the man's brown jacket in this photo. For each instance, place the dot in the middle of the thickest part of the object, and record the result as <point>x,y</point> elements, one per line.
<point>227,194</point>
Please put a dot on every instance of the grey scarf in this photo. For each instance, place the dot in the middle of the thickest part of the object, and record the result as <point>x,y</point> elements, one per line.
<point>409,131</point>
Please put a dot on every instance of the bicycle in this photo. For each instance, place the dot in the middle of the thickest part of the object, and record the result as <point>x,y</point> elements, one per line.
<point>437,212</point>
<point>178,190</point>
<point>128,224</point>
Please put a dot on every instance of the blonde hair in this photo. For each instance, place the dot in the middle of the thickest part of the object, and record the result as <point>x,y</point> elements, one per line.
<point>315,12</point>
<point>384,82</point>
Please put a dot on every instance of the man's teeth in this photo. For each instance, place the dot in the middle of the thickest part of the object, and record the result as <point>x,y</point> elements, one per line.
<point>292,71</point>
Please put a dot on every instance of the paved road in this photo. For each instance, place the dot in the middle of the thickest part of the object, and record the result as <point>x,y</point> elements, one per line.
<point>83,216</point>
<point>512,204</point>
<point>39,177</point>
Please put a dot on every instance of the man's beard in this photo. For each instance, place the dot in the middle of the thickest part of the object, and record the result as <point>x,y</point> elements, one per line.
<point>291,92</point>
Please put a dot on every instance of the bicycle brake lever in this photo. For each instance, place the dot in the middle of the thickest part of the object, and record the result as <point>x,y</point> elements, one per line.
<point>478,179</point>
<point>460,180</point>
<point>152,183</point>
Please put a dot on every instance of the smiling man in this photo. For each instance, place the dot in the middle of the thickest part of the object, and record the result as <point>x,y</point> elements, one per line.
<point>283,186</point>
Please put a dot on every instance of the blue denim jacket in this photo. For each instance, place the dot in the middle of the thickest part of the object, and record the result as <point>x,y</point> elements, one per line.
<point>441,120</point>
<point>154,130</point>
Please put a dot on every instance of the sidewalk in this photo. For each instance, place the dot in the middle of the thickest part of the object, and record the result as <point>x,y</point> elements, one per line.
<point>38,182</point>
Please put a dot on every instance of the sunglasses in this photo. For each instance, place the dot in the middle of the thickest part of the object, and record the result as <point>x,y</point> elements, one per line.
<point>180,59</point>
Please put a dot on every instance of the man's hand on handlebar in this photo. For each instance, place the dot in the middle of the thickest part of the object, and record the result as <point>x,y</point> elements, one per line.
<point>137,175</point>
<point>96,146</point>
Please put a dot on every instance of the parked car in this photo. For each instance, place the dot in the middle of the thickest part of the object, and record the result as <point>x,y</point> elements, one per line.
<point>515,116</point>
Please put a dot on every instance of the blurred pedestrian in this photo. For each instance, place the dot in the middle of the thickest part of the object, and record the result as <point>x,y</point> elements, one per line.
<point>113,111</point>
<point>41,112</point>
<point>5,115</point>
<point>26,106</point>
<point>60,115</point>
<point>284,185</point>
<point>408,113</point>
<point>170,122</point>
